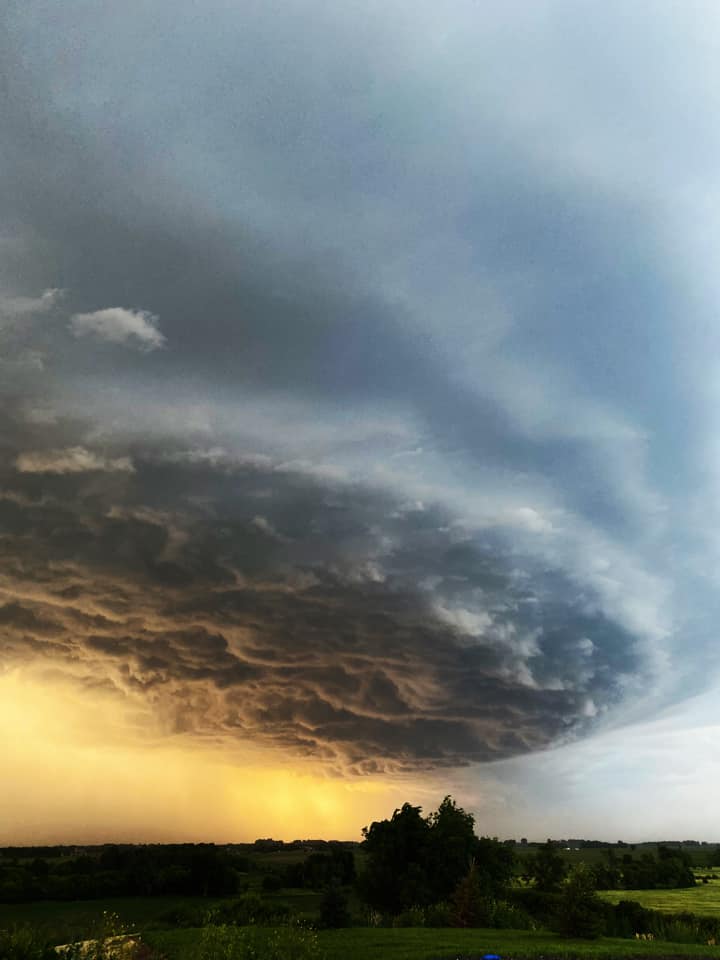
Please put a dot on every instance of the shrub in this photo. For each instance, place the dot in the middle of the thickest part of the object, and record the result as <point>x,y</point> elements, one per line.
<point>627,918</point>
<point>438,915</point>
<point>582,912</point>
<point>181,917</point>
<point>271,883</point>
<point>506,916</point>
<point>412,917</point>
<point>469,905</point>
<point>24,943</point>
<point>250,909</point>
<point>227,942</point>
<point>334,910</point>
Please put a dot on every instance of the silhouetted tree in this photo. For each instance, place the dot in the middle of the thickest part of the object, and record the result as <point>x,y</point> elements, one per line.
<point>452,846</point>
<point>397,857</point>
<point>334,909</point>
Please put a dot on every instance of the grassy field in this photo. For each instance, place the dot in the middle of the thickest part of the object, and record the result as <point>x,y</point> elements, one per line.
<point>703,899</point>
<point>424,944</point>
<point>63,921</point>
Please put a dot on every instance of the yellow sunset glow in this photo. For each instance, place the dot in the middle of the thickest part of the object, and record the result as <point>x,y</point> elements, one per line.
<point>75,768</point>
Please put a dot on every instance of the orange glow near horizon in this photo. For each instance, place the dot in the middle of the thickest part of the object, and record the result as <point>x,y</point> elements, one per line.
<point>74,770</point>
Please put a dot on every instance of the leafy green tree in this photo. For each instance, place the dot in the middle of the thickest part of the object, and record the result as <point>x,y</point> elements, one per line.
<point>548,868</point>
<point>581,912</point>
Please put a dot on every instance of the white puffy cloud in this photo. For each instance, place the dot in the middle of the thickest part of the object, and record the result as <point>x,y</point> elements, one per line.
<point>118,325</point>
<point>70,460</point>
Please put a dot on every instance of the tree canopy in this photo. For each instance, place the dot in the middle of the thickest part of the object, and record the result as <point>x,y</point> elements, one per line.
<point>414,860</point>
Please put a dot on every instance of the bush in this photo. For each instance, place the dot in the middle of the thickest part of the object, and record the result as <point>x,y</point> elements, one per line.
<point>438,915</point>
<point>271,883</point>
<point>182,917</point>
<point>250,909</point>
<point>334,910</point>
<point>627,918</point>
<point>412,917</point>
<point>223,942</point>
<point>506,916</point>
<point>541,906</point>
<point>469,904</point>
<point>24,943</point>
<point>582,912</point>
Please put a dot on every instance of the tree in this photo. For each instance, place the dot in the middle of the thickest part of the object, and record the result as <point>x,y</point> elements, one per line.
<point>581,912</point>
<point>396,875</point>
<point>495,866</point>
<point>469,904</point>
<point>548,868</point>
<point>452,847</point>
<point>334,910</point>
<point>415,861</point>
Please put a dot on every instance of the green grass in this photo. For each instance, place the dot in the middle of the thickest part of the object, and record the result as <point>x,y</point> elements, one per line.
<point>62,921</point>
<point>702,899</point>
<point>362,943</point>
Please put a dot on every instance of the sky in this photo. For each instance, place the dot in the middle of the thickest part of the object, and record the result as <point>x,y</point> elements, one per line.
<point>359,403</point>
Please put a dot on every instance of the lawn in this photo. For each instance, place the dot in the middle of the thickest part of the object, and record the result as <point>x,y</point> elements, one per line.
<point>703,899</point>
<point>362,943</point>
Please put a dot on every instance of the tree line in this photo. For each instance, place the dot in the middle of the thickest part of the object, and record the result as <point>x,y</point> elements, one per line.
<point>413,869</point>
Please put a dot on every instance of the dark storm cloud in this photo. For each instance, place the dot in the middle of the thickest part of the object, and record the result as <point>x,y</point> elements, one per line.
<point>247,601</point>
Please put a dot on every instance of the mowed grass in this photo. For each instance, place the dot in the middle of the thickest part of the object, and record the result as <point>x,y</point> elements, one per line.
<point>362,943</point>
<point>702,899</point>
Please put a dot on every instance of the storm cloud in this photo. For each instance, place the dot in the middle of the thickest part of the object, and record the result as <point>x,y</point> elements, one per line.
<point>355,381</point>
<point>250,600</point>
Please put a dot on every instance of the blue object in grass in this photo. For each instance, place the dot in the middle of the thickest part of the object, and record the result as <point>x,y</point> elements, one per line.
<point>491,956</point>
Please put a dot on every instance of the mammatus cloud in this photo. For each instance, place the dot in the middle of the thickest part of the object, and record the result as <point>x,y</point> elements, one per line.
<point>70,460</point>
<point>137,328</point>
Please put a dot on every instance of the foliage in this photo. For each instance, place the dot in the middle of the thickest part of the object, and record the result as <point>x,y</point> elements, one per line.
<point>24,943</point>
<point>250,908</point>
<point>451,848</point>
<point>412,917</point>
<point>222,942</point>
<point>334,910</point>
<point>669,868</point>
<point>398,855</point>
<point>320,869</point>
<point>118,870</point>
<point>470,905</point>
<point>414,861</point>
<point>104,943</point>
<point>582,912</point>
<point>548,868</point>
